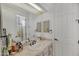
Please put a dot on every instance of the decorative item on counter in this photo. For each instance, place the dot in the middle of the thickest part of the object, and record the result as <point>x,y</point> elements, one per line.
<point>16,47</point>
<point>13,47</point>
<point>19,34</point>
<point>4,42</point>
<point>4,51</point>
<point>50,31</point>
<point>32,42</point>
<point>19,46</point>
<point>39,38</point>
<point>9,43</point>
<point>4,32</point>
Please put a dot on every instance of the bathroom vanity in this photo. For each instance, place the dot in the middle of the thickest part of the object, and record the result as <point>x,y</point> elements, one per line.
<point>41,48</point>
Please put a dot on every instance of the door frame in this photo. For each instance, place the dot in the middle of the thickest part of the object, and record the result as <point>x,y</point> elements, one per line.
<point>0,29</point>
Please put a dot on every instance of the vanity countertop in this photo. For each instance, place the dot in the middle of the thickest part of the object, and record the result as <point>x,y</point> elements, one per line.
<point>35,49</point>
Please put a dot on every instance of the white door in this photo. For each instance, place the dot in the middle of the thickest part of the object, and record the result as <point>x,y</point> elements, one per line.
<point>57,44</point>
<point>77,36</point>
<point>57,48</point>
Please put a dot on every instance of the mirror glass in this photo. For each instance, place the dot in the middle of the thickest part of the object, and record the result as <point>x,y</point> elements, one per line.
<point>20,28</point>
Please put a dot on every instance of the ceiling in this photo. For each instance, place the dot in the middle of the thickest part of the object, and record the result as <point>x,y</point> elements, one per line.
<point>23,6</point>
<point>47,6</point>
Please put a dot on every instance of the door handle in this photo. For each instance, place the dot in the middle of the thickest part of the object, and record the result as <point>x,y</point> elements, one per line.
<point>55,39</point>
<point>78,41</point>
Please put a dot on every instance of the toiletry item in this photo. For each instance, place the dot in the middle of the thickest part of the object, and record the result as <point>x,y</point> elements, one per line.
<point>10,52</point>
<point>9,41</point>
<point>4,42</point>
<point>4,37</point>
<point>13,47</point>
<point>5,51</point>
<point>19,46</point>
<point>4,32</point>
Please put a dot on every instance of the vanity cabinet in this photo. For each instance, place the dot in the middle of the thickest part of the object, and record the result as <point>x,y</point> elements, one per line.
<point>42,48</point>
<point>48,51</point>
<point>45,52</point>
<point>0,46</point>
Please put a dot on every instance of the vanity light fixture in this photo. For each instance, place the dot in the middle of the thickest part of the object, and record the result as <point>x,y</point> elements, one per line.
<point>36,6</point>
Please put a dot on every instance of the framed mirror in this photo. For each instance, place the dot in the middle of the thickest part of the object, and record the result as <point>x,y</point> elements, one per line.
<point>46,26</point>
<point>38,28</point>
